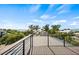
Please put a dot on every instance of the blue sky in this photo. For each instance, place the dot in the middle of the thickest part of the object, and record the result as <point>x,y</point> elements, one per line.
<point>20,16</point>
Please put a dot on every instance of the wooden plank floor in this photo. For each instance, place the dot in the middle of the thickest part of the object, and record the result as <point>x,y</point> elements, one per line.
<point>56,47</point>
<point>74,49</point>
<point>62,51</point>
<point>42,41</point>
<point>41,50</point>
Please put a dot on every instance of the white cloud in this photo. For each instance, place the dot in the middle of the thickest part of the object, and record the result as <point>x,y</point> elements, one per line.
<point>76,17</point>
<point>60,8</point>
<point>63,21</point>
<point>30,23</point>
<point>50,8</point>
<point>9,24</point>
<point>34,8</point>
<point>37,20</point>
<point>44,16</point>
<point>63,9</point>
<point>52,17</point>
<point>59,22</point>
<point>74,23</point>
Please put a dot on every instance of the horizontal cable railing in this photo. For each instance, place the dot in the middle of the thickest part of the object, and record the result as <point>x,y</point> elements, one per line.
<point>21,47</point>
<point>68,41</point>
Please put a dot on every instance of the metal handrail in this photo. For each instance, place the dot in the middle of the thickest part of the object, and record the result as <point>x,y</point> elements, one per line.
<point>19,46</point>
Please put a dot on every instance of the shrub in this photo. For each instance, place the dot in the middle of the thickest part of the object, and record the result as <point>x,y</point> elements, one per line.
<point>68,38</point>
<point>75,43</point>
<point>10,38</point>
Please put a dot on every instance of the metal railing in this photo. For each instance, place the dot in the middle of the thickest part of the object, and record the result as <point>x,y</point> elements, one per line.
<point>21,47</point>
<point>63,42</point>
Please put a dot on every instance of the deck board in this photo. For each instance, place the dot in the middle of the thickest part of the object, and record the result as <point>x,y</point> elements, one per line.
<point>41,50</point>
<point>56,47</point>
<point>62,51</point>
<point>75,49</point>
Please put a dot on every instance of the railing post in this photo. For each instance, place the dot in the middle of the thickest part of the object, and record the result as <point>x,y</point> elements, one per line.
<point>48,40</point>
<point>1,34</point>
<point>23,47</point>
<point>30,44</point>
<point>64,42</point>
<point>32,41</point>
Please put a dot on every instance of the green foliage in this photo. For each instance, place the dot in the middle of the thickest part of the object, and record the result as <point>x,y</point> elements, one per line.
<point>66,36</point>
<point>46,28</point>
<point>12,36</point>
<point>27,32</point>
<point>36,27</point>
<point>33,27</point>
<point>75,43</point>
<point>55,28</point>
<point>51,31</point>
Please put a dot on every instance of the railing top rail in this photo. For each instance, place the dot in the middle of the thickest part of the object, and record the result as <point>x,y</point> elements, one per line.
<point>12,45</point>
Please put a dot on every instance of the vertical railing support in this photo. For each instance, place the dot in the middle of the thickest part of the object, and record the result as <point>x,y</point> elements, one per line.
<point>64,42</point>
<point>1,34</point>
<point>32,41</point>
<point>23,47</point>
<point>48,40</point>
<point>30,44</point>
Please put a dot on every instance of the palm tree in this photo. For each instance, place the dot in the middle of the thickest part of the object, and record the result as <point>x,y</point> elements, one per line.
<point>36,27</point>
<point>55,28</point>
<point>31,28</point>
<point>46,27</point>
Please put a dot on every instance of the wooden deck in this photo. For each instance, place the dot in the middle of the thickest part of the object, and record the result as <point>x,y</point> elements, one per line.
<point>41,50</point>
<point>38,45</point>
<point>56,47</point>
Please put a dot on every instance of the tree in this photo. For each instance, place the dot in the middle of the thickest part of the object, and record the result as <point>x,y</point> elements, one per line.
<point>36,27</point>
<point>55,28</point>
<point>46,27</point>
<point>31,28</point>
<point>11,36</point>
